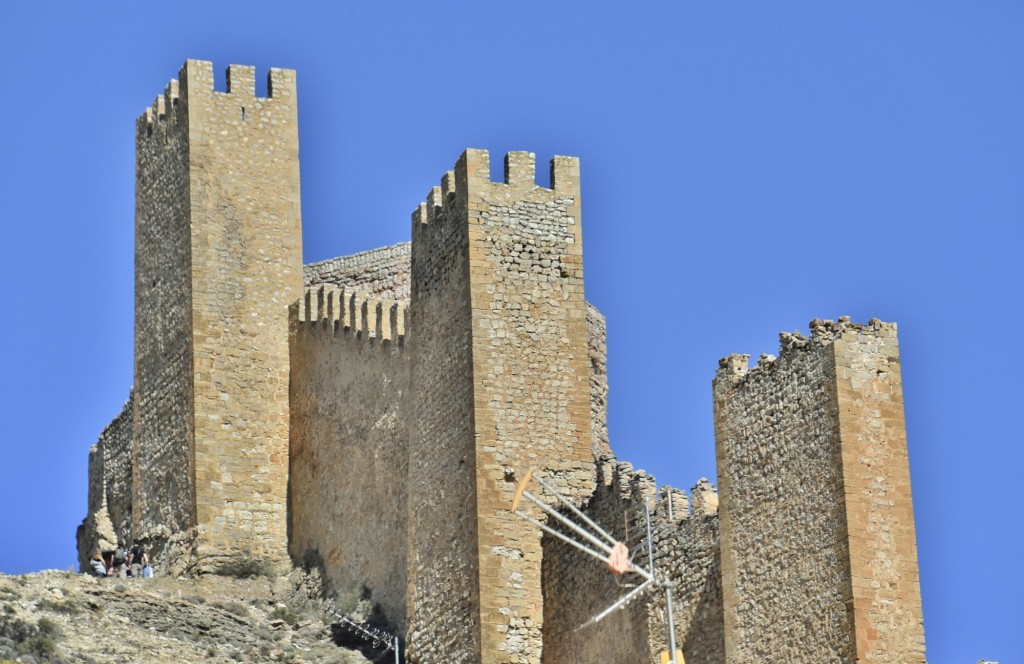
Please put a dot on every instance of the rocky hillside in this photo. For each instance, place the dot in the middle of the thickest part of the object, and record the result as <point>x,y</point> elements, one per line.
<point>56,616</point>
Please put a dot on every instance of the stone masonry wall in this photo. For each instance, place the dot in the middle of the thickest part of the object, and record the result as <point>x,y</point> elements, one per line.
<point>784,561</point>
<point>349,445</point>
<point>597,341</point>
<point>381,273</point>
<point>163,423</point>
<point>443,596</point>
<point>246,271</point>
<point>795,438</point>
<point>108,520</point>
<point>531,376</point>
<point>577,587</point>
<point>116,446</point>
<point>888,622</point>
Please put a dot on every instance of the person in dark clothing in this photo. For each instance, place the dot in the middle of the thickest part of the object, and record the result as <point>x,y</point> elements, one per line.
<point>136,557</point>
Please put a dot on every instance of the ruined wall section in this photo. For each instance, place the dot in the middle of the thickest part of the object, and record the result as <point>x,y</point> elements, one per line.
<point>108,518</point>
<point>349,445</point>
<point>443,595</point>
<point>818,560</point>
<point>246,271</point>
<point>116,445</point>
<point>577,587</point>
<point>531,376</point>
<point>164,436</point>
<point>381,273</point>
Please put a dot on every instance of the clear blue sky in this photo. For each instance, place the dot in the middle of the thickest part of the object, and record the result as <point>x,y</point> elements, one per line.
<point>747,166</point>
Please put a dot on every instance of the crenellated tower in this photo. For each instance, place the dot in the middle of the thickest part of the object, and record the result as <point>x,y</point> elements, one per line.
<point>218,261</point>
<point>502,373</point>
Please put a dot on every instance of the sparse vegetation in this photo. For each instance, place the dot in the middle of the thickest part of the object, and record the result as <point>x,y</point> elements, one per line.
<point>286,614</point>
<point>236,608</point>
<point>59,606</point>
<point>210,618</point>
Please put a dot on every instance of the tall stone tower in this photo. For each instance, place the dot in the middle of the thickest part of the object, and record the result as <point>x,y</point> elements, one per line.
<point>502,374</point>
<point>819,560</point>
<point>218,261</point>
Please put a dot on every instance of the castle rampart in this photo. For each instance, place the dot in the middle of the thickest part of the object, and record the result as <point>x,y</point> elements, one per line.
<point>348,498</point>
<point>382,273</point>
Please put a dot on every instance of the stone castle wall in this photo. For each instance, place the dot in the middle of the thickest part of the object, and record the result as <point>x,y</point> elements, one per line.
<point>800,582</point>
<point>115,445</point>
<point>382,273</point>
<point>219,260</point>
<point>888,623</point>
<point>597,342</point>
<point>164,427</point>
<point>577,587</point>
<point>348,498</point>
<point>531,376</point>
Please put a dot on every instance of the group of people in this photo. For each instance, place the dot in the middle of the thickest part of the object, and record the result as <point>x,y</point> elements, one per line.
<point>121,563</point>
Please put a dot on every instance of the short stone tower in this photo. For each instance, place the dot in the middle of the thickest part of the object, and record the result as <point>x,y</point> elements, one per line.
<point>218,260</point>
<point>819,560</point>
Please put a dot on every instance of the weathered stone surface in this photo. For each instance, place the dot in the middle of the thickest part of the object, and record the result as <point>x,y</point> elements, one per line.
<point>381,273</point>
<point>819,561</point>
<point>349,446</point>
<point>219,259</point>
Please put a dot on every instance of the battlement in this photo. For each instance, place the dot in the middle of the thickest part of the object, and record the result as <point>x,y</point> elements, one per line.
<point>344,311</point>
<point>639,487</point>
<point>162,111</point>
<point>473,171</point>
<point>196,78</point>
<point>823,332</point>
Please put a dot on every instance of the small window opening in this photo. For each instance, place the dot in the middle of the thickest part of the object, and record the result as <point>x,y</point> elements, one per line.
<point>243,114</point>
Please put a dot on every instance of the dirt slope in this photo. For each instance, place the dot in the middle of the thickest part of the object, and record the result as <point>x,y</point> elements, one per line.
<point>57,616</point>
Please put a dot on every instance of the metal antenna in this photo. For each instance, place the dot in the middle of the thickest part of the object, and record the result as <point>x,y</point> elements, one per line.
<point>597,543</point>
<point>378,637</point>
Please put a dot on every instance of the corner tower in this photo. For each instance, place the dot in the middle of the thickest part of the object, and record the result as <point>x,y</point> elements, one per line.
<point>218,259</point>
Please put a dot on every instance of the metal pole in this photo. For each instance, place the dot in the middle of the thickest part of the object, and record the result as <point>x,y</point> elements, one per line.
<point>668,589</point>
<point>562,536</point>
<point>564,519</point>
<point>567,503</point>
